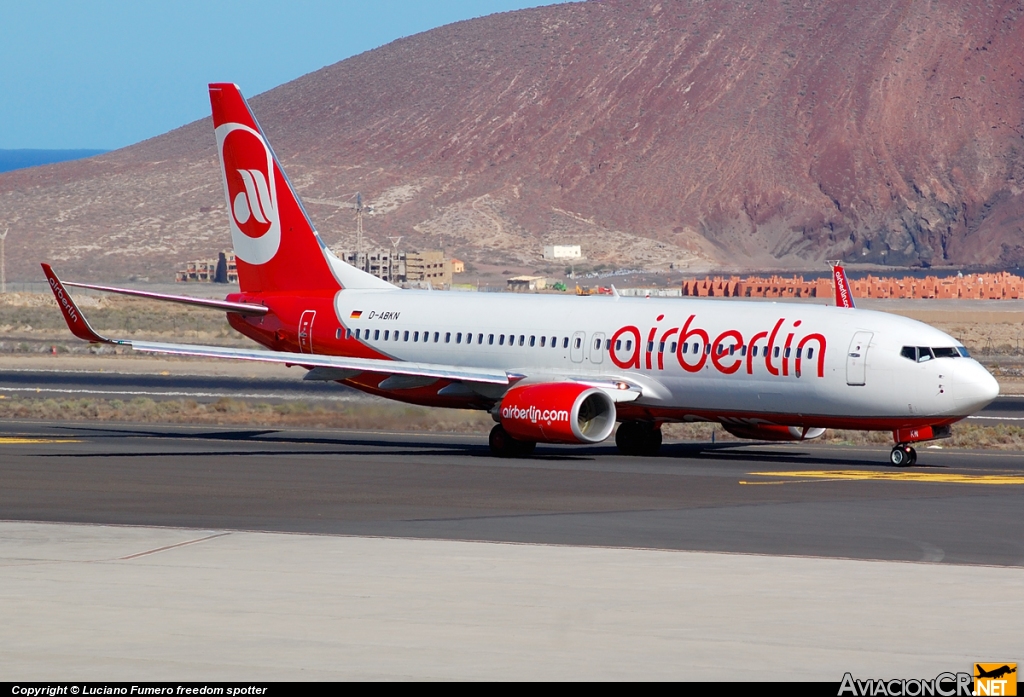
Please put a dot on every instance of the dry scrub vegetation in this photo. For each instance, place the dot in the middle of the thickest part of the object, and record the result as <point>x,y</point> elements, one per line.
<point>232,412</point>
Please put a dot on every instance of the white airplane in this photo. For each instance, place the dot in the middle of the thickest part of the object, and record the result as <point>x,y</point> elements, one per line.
<point>554,369</point>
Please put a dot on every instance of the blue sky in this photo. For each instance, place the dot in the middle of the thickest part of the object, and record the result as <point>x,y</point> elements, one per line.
<point>103,75</point>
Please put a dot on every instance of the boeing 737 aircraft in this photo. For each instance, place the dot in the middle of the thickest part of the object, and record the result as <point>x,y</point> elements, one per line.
<point>554,369</point>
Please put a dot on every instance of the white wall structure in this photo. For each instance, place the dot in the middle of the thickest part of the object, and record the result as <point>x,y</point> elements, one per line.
<point>563,251</point>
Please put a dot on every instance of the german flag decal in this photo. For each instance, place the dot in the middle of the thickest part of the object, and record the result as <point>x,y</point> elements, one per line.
<point>356,314</point>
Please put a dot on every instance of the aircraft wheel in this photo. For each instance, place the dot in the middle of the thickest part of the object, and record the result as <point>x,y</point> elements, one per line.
<point>638,438</point>
<point>504,445</point>
<point>902,456</point>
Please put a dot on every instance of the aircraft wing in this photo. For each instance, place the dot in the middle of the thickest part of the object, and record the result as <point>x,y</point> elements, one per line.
<point>81,328</point>
<point>313,360</point>
<point>326,367</point>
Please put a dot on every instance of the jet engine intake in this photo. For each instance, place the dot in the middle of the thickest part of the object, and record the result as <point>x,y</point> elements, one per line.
<point>773,431</point>
<point>558,412</point>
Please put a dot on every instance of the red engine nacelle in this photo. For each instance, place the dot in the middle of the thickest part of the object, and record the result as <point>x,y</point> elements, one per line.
<point>558,412</point>
<point>773,431</point>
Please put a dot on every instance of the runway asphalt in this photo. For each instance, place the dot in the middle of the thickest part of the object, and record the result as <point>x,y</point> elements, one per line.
<point>803,499</point>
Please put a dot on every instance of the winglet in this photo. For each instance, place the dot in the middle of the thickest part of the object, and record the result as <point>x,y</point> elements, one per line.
<point>77,323</point>
<point>844,296</point>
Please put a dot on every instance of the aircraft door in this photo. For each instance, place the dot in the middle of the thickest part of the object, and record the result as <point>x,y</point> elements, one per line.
<point>857,358</point>
<point>576,346</point>
<point>597,348</point>
<point>306,331</point>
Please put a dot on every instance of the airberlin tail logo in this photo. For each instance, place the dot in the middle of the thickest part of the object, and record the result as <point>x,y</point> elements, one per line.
<point>247,168</point>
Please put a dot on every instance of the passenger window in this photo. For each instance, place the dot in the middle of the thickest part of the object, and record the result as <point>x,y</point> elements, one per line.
<point>909,352</point>
<point>607,344</point>
<point>565,342</point>
<point>753,351</point>
<point>798,352</point>
<point>810,352</point>
<point>522,339</point>
<point>490,339</point>
<point>479,338</point>
<point>721,349</point>
<point>732,350</point>
<point>650,347</point>
<point>618,344</point>
<point>579,342</point>
<point>501,340</point>
<point>458,338</point>
<point>543,339</point>
<point>629,344</point>
<point>447,337</point>
<point>787,351</point>
<point>386,333</point>
<point>924,354</point>
<point>777,351</point>
<point>405,335</point>
<point>661,347</point>
<point>533,340</point>
<point>707,349</point>
<point>376,334</point>
<point>674,345</point>
<point>337,333</point>
<point>469,337</point>
<point>743,350</point>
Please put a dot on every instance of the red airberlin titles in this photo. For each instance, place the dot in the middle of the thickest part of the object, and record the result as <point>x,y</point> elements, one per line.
<point>557,369</point>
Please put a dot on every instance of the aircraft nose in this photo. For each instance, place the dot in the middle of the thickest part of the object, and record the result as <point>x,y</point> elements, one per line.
<point>974,387</point>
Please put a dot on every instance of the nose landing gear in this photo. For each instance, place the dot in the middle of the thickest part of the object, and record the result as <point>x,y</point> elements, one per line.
<point>903,455</point>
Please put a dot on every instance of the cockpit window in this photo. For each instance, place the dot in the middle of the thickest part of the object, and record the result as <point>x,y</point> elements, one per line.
<point>920,354</point>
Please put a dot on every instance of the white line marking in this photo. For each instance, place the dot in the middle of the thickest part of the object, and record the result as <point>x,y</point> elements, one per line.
<point>998,418</point>
<point>145,393</point>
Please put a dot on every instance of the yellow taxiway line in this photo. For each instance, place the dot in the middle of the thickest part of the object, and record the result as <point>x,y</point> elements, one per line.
<point>869,475</point>
<point>8,440</point>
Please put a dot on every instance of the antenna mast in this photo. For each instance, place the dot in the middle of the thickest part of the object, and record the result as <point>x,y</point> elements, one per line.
<point>359,225</point>
<point>3,262</point>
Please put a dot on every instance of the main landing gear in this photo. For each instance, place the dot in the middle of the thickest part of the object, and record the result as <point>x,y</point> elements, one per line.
<point>638,438</point>
<point>903,455</point>
<point>504,445</point>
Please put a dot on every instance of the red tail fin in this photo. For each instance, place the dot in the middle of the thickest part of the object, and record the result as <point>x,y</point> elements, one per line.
<point>844,296</point>
<point>276,245</point>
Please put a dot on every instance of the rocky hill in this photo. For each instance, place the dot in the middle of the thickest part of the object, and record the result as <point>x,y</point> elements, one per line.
<point>710,133</point>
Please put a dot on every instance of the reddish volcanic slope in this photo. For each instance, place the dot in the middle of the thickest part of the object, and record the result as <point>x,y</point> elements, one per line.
<point>743,134</point>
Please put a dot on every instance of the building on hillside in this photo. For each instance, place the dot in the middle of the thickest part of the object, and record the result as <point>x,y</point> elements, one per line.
<point>562,252</point>
<point>223,269</point>
<point>527,283</point>
<point>384,263</point>
<point>430,267</point>
<point>458,266</point>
